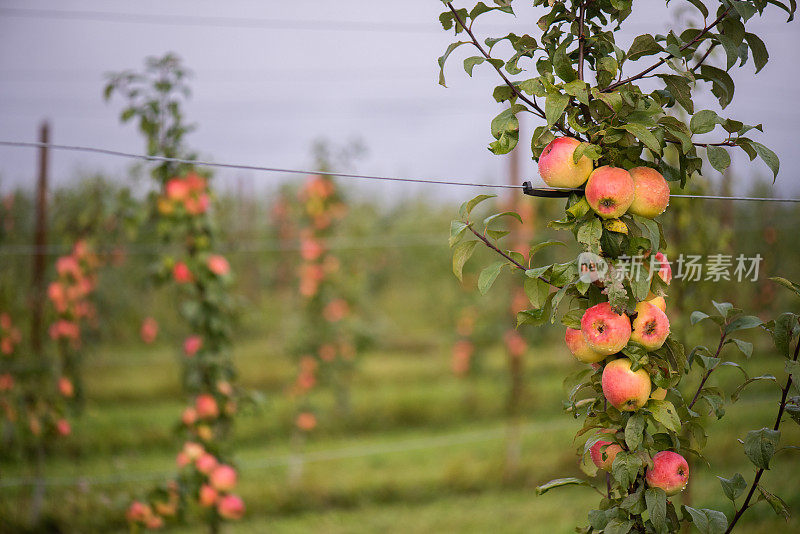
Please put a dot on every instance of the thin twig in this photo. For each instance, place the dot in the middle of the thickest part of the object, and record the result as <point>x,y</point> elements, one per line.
<point>708,373</point>
<point>663,60</point>
<point>775,427</point>
<point>705,56</point>
<point>494,247</point>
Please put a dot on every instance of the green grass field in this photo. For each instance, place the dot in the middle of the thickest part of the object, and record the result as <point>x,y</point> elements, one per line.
<point>421,450</point>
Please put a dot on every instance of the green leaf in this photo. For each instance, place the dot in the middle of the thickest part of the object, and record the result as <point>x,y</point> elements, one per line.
<point>461,254</point>
<point>718,157</point>
<point>656,500</point>
<point>708,521</point>
<point>537,291</point>
<point>559,482</point>
<point>738,391</point>
<point>788,284</point>
<point>760,445</point>
<point>644,45</point>
<point>733,487</point>
<point>505,129</point>
<point>778,505</point>
<point>745,347</point>
<point>488,220</point>
<point>769,157</point>
<point>579,90</point>
<point>721,83</point>
<point>590,233</point>
<point>644,135</point>
<point>634,431</point>
<point>554,107</point>
<point>664,412</point>
<point>626,468</point>
<point>759,50</point>
<point>443,59</point>
<point>704,121</point>
<point>697,316</point>
<point>467,207</point>
<point>651,230</point>
<point>562,64</point>
<point>618,526</point>
<point>544,244</point>
<point>792,367</point>
<point>782,332</point>
<point>470,63</point>
<point>456,229</point>
<point>743,323</point>
<point>489,275</point>
<point>678,86</point>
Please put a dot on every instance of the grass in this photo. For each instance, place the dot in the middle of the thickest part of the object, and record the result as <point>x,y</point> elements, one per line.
<point>421,451</point>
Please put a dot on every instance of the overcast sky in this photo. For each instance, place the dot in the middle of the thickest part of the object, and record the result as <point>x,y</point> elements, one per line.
<point>321,69</point>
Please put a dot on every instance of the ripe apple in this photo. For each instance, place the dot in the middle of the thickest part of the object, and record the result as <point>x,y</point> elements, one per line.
<point>603,458</point>
<point>208,496</point>
<point>579,348</point>
<point>206,406</point>
<point>664,270</point>
<point>658,302</point>
<point>230,507</point>
<point>223,478</point>
<point>670,472</point>
<point>206,463</point>
<point>625,389</point>
<point>557,166</point>
<point>651,192</point>
<point>605,331</point>
<point>609,191</point>
<point>650,328</point>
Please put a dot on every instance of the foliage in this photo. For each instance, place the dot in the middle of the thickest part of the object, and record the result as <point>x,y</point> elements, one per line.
<point>620,124</point>
<point>180,212</point>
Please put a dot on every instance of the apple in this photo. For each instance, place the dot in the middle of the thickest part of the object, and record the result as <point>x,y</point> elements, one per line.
<point>661,263</point>
<point>230,507</point>
<point>609,191</point>
<point>223,478</point>
<point>670,472</point>
<point>650,192</point>
<point>579,348</point>
<point>208,496</point>
<point>191,345</point>
<point>625,389</point>
<point>604,330</point>
<point>206,463</point>
<point>658,302</point>
<point>603,458</point>
<point>650,328</point>
<point>206,406</point>
<point>218,265</point>
<point>557,166</point>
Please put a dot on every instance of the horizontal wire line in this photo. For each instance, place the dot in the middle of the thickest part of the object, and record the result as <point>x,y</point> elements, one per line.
<point>200,163</point>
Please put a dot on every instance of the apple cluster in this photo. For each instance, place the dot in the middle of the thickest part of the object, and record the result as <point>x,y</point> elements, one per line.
<point>604,332</point>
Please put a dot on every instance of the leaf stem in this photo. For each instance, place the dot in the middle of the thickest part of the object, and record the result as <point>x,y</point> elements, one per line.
<point>708,373</point>
<point>775,427</point>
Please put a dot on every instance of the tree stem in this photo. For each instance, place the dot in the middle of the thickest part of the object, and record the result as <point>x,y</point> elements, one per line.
<point>708,373</point>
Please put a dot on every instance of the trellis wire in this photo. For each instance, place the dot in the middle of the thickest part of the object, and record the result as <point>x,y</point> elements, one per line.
<point>201,163</point>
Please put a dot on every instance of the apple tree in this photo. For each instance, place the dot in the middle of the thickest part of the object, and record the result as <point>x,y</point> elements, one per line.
<point>618,122</point>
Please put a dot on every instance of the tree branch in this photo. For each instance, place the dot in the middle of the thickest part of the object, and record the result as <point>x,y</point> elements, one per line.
<point>539,111</point>
<point>705,56</point>
<point>663,60</point>
<point>581,39</point>
<point>708,373</point>
<point>494,247</point>
<point>776,426</point>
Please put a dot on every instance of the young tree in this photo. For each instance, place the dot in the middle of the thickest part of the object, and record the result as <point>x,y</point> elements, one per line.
<point>609,141</point>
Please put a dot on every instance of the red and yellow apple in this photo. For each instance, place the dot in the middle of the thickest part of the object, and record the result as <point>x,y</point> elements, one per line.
<point>650,328</point>
<point>625,389</point>
<point>230,507</point>
<point>223,478</point>
<point>602,456</point>
<point>605,331</point>
<point>557,166</point>
<point>670,472</point>
<point>651,192</point>
<point>579,348</point>
<point>610,191</point>
<point>658,302</point>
